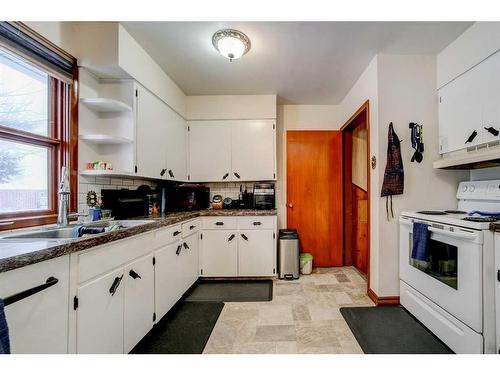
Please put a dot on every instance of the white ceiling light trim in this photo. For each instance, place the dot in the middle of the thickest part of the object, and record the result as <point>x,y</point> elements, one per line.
<point>232,44</point>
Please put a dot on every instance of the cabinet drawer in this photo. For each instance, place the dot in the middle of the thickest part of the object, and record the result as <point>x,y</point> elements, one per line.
<point>190,227</point>
<point>109,256</point>
<point>167,235</point>
<point>219,222</point>
<point>256,222</point>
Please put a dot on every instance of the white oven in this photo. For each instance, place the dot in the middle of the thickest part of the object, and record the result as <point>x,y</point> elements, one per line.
<point>452,277</point>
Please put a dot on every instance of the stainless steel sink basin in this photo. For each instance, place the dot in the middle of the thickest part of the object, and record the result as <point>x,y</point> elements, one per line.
<point>69,233</point>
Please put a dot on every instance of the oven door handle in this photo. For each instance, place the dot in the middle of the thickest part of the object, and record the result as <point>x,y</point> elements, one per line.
<point>467,236</point>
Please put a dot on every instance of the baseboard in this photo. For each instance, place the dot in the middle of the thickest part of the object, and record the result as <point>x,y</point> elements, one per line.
<point>383,301</point>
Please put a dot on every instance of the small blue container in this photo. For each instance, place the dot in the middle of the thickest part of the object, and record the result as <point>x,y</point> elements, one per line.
<point>95,214</point>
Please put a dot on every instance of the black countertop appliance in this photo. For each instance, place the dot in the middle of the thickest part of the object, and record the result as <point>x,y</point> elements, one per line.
<point>125,203</point>
<point>185,197</point>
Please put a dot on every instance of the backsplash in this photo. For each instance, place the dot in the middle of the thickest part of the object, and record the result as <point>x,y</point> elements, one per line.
<point>91,183</point>
<point>228,189</point>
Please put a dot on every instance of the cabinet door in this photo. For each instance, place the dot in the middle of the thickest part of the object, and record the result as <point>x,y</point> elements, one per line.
<point>256,253</point>
<point>139,300</point>
<point>100,315</point>
<point>219,255</point>
<point>209,151</point>
<point>460,112</point>
<point>253,150</point>
<point>151,134</point>
<point>491,96</point>
<point>38,324</point>
<point>176,142</point>
<point>168,278</point>
<point>190,260</point>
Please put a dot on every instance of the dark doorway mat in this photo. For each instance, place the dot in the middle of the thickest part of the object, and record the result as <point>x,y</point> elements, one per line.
<point>184,330</point>
<point>232,291</point>
<point>391,330</point>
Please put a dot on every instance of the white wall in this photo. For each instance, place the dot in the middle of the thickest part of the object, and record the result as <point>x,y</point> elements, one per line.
<point>478,42</point>
<point>231,107</point>
<point>62,34</point>
<point>407,93</point>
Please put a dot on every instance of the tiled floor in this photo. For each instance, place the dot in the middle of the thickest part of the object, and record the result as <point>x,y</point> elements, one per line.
<point>303,317</point>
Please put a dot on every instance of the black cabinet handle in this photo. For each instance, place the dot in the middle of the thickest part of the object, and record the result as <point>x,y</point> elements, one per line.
<point>244,237</point>
<point>225,176</point>
<point>498,275</point>
<point>230,238</point>
<point>257,223</point>
<point>219,223</point>
<point>185,246</point>
<point>29,292</point>
<point>191,227</point>
<point>471,137</point>
<point>492,130</point>
<point>162,172</point>
<point>134,275</point>
<point>115,285</point>
<point>171,173</point>
<point>176,233</point>
<point>236,174</point>
<point>178,251</point>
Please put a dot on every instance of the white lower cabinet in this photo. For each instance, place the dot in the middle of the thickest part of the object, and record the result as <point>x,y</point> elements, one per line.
<point>255,253</point>
<point>246,251</point>
<point>100,314</point>
<point>39,322</point>
<point>190,260</point>
<point>168,277</point>
<point>139,301</point>
<point>219,253</point>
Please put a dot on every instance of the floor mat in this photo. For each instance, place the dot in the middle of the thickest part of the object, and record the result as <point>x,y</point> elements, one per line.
<point>232,291</point>
<point>184,330</point>
<point>391,330</point>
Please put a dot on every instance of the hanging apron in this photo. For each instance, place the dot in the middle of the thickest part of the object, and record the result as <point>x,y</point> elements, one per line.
<point>393,176</point>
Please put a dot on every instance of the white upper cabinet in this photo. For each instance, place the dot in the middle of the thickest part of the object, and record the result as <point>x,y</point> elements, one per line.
<point>253,150</point>
<point>468,105</point>
<point>209,151</point>
<point>176,147</point>
<point>151,135</point>
<point>232,150</point>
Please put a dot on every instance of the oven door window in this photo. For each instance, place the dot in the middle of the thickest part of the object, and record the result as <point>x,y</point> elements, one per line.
<point>441,264</point>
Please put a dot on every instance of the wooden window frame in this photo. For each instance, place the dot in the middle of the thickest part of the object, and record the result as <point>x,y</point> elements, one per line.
<point>62,144</point>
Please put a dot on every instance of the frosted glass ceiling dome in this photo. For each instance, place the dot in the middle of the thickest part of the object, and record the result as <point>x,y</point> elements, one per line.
<point>232,44</point>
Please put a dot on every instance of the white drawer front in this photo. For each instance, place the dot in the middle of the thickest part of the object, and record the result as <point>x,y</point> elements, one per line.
<point>220,222</point>
<point>190,227</point>
<point>256,222</point>
<point>109,256</point>
<point>167,236</point>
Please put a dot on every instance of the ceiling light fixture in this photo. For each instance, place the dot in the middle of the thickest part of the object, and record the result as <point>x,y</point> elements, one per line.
<point>231,44</point>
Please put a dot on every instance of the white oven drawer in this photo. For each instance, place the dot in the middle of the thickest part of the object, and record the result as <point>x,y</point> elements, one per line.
<point>460,338</point>
<point>464,299</point>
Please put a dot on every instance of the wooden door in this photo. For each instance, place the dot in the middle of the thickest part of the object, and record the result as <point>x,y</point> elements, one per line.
<point>139,301</point>
<point>253,150</point>
<point>210,151</point>
<point>314,193</point>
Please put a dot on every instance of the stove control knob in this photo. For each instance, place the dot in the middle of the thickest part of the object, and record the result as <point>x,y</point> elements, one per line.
<point>472,188</point>
<point>464,188</point>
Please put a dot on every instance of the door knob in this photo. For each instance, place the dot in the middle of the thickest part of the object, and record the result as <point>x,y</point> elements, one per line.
<point>290,205</point>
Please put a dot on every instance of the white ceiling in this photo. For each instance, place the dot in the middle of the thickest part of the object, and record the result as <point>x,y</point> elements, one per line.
<point>302,62</point>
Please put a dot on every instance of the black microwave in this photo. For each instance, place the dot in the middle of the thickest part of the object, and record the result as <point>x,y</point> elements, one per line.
<point>186,197</point>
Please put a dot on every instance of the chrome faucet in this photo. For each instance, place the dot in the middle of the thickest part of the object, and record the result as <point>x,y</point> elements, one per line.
<point>63,214</point>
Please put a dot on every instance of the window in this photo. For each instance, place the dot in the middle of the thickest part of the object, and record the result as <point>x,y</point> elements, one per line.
<point>36,139</point>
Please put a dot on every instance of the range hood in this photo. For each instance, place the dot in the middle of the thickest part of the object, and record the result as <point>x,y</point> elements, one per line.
<point>482,156</point>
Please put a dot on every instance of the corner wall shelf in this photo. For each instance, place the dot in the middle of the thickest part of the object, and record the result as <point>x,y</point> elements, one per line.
<point>105,139</point>
<point>105,105</point>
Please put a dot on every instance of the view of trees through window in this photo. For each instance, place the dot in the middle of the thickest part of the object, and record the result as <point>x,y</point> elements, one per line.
<point>24,106</point>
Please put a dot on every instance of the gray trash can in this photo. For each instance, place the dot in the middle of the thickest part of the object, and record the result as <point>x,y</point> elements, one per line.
<point>288,254</point>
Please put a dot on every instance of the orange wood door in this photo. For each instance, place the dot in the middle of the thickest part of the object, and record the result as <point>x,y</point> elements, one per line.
<point>360,229</point>
<point>314,193</point>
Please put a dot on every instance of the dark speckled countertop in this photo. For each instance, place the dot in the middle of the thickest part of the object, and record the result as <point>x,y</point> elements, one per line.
<point>16,253</point>
<point>495,227</point>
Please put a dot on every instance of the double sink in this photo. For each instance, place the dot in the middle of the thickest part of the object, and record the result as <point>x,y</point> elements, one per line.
<point>69,232</point>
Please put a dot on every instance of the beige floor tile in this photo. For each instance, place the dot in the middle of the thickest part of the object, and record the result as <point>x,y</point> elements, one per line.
<point>255,348</point>
<point>323,312</point>
<point>342,298</point>
<point>300,313</point>
<point>275,333</point>
<point>275,314</point>
<point>286,347</point>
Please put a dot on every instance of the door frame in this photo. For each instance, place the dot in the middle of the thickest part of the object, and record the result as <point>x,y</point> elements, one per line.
<point>346,129</point>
